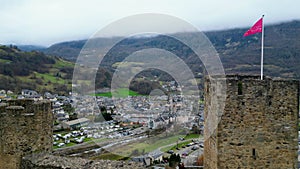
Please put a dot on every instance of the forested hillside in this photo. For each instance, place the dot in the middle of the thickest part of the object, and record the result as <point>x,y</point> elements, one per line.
<point>33,70</point>
<point>238,54</point>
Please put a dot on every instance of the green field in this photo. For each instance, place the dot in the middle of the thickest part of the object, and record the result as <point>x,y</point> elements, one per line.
<point>127,64</point>
<point>182,143</point>
<point>98,140</point>
<point>146,146</point>
<point>4,61</point>
<point>192,136</point>
<point>122,92</point>
<point>62,64</point>
<point>173,147</point>
<point>50,78</point>
<point>109,156</point>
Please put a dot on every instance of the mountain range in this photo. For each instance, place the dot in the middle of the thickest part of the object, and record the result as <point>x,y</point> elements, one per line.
<point>50,69</point>
<point>238,54</point>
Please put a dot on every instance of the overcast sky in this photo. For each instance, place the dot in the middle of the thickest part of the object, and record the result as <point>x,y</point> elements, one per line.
<point>44,22</point>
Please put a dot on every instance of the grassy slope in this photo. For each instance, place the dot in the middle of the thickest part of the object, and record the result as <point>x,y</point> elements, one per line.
<point>4,61</point>
<point>51,79</point>
<point>122,92</point>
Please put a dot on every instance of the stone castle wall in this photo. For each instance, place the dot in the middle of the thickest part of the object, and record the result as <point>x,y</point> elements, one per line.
<point>25,128</point>
<point>258,127</point>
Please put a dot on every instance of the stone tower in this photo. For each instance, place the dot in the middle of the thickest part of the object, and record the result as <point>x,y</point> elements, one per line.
<point>25,128</point>
<point>258,127</point>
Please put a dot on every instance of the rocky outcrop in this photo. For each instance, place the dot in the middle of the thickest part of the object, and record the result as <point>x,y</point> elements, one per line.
<point>47,161</point>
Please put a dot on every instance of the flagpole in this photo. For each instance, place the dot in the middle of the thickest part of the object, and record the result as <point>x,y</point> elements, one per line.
<point>262,50</point>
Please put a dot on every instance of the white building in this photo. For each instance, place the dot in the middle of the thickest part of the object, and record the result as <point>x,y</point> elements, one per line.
<point>75,124</point>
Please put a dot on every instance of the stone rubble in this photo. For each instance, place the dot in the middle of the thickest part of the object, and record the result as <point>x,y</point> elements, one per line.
<point>47,161</point>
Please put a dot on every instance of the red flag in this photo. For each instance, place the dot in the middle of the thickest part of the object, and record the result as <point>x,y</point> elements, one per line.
<point>256,28</point>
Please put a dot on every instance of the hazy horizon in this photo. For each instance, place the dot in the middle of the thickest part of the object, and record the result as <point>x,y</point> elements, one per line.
<point>85,38</point>
<point>44,23</point>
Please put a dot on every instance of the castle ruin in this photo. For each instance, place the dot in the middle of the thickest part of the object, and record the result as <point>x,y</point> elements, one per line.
<point>256,128</point>
<point>25,128</point>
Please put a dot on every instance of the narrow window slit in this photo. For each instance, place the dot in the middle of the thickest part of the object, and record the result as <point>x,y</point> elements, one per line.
<point>240,88</point>
<point>254,153</point>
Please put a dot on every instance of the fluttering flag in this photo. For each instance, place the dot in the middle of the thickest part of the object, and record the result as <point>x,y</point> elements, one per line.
<point>256,28</point>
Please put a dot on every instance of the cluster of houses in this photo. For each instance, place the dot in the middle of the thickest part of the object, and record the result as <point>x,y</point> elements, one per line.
<point>153,111</point>
<point>75,136</point>
<point>5,94</point>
